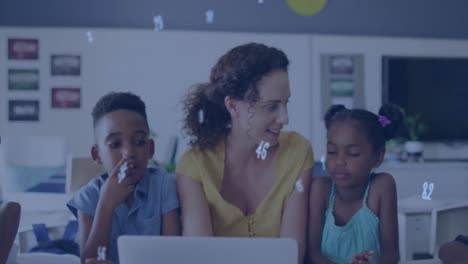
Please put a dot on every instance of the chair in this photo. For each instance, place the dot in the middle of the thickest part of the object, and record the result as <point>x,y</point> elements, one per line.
<point>81,170</point>
<point>446,223</point>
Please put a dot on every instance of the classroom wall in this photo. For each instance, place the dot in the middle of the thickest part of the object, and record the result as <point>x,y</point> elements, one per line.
<point>161,66</point>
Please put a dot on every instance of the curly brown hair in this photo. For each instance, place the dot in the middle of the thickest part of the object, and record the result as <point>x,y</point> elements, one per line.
<point>236,75</point>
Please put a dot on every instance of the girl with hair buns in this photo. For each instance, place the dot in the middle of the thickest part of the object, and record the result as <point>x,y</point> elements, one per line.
<point>353,213</point>
<point>244,176</point>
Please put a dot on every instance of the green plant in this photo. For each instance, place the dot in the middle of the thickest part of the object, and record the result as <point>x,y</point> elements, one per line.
<point>392,145</point>
<point>170,165</point>
<point>415,126</point>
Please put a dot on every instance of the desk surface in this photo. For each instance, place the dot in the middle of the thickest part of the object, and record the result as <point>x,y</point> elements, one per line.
<point>415,204</point>
<point>423,165</point>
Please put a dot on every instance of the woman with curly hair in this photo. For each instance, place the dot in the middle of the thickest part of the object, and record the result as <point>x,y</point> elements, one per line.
<point>244,176</point>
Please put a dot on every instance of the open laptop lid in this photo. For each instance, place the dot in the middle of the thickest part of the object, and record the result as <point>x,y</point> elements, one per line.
<point>206,250</point>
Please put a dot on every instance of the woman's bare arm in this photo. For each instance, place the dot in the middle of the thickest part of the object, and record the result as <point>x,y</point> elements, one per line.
<point>196,219</point>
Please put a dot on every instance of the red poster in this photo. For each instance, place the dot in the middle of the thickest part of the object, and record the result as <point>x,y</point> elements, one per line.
<point>66,97</point>
<point>23,49</point>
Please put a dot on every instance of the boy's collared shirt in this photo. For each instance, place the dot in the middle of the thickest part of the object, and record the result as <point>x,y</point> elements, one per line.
<point>155,195</point>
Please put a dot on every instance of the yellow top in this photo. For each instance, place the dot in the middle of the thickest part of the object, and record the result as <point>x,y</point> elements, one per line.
<point>207,167</point>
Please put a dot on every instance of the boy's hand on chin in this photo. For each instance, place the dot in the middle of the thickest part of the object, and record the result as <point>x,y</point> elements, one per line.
<point>113,192</point>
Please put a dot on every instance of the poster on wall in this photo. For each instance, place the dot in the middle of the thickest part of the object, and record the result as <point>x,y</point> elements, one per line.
<point>23,79</point>
<point>342,80</point>
<point>342,87</point>
<point>23,110</point>
<point>23,49</point>
<point>341,64</point>
<point>66,97</point>
<point>65,65</point>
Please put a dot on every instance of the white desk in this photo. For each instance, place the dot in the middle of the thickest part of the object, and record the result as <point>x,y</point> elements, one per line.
<point>450,178</point>
<point>414,222</point>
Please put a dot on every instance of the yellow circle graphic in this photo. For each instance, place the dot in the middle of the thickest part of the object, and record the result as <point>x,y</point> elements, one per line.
<point>307,7</point>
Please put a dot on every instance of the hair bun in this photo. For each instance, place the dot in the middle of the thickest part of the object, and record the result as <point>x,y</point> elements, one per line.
<point>394,114</point>
<point>332,111</point>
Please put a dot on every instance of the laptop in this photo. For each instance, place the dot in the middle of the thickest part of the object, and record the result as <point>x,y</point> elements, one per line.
<point>206,250</point>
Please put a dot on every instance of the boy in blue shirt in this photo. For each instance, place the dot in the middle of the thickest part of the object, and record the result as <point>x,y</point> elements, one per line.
<point>130,199</point>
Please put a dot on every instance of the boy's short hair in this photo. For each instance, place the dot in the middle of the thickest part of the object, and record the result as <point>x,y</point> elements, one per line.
<point>114,101</point>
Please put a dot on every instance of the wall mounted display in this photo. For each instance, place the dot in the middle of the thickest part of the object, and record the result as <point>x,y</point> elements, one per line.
<point>63,64</point>
<point>342,80</point>
<point>23,110</point>
<point>23,49</point>
<point>23,79</point>
<point>66,97</point>
<point>341,65</point>
<point>342,87</point>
